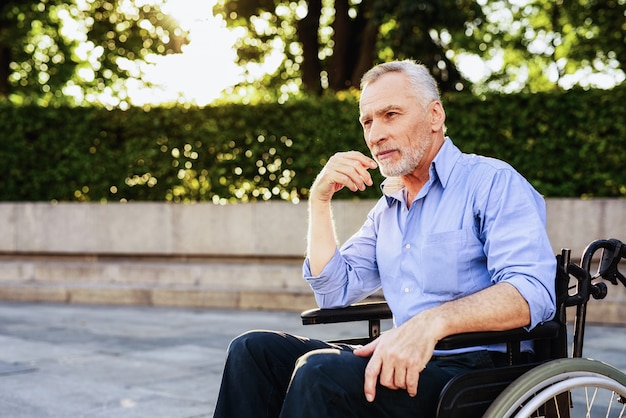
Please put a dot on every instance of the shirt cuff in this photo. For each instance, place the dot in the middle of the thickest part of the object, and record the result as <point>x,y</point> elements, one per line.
<point>322,284</point>
<point>538,299</point>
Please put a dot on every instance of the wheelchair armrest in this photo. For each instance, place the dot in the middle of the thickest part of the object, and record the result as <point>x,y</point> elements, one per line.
<point>358,312</point>
<point>547,330</point>
<point>374,312</point>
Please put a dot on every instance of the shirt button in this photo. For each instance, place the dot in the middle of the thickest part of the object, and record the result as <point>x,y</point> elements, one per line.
<point>407,246</point>
<point>407,290</point>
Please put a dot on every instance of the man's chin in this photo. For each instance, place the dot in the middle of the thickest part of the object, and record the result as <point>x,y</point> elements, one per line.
<point>391,171</point>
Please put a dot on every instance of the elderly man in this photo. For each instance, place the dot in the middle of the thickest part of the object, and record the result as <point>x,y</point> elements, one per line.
<point>457,243</point>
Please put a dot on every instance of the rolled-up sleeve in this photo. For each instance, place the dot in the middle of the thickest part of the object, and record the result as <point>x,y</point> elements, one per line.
<point>339,284</point>
<point>321,284</point>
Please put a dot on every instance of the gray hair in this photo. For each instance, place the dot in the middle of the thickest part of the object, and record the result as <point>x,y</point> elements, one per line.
<point>423,84</point>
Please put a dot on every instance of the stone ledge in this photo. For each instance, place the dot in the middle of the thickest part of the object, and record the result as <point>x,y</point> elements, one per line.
<point>242,274</point>
<point>188,298</point>
<point>258,229</point>
<point>608,311</point>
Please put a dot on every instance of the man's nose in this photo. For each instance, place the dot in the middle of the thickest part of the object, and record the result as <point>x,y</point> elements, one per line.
<point>376,134</point>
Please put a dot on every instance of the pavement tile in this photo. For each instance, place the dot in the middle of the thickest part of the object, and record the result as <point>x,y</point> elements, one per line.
<point>71,360</point>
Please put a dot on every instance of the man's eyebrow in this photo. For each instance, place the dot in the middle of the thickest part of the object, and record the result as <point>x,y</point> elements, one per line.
<point>379,112</point>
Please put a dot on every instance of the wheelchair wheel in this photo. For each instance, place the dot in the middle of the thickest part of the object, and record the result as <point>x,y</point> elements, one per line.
<point>570,387</point>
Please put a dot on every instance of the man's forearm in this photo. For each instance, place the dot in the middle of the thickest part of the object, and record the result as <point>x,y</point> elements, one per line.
<point>348,169</point>
<point>322,241</point>
<point>497,308</point>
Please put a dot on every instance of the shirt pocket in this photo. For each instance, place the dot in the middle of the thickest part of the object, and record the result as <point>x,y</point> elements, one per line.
<point>449,260</point>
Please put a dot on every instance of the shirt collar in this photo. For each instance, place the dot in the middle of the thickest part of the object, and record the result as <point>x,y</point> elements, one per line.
<point>440,169</point>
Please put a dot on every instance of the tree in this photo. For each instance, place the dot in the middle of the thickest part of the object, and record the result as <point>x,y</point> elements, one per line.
<point>21,60</point>
<point>329,45</point>
<point>546,44</point>
<point>532,45</point>
<point>50,47</point>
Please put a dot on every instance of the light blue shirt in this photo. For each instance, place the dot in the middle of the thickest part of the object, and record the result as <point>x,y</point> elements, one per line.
<point>476,222</point>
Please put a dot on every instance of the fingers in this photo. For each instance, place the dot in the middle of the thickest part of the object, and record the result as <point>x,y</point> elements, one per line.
<point>372,370</point>
<point>392,370</point>
<point>350,170</point>
<point>399,357</point>
<point>412,379</point>
<point>347,169</point>
<point>390,377</point>
<point>366,350</point>
<point>405,375</point>
<point>358,156</point>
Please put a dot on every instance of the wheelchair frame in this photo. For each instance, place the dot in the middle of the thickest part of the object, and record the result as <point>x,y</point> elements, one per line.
<point>503,391</point>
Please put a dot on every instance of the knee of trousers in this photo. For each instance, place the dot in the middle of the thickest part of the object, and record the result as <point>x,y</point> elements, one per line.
<point>319,366</point>
<point>251,342</point>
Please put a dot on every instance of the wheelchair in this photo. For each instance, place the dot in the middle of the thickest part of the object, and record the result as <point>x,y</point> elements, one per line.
<point>556,383</point>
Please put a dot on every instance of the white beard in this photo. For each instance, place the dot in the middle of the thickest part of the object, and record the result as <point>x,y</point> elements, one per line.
<point>409,160</point>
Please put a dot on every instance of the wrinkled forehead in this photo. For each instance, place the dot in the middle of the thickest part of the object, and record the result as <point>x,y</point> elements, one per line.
<point>389,90</point>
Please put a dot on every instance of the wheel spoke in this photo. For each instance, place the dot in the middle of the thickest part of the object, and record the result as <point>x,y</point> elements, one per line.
<point>580,384</point>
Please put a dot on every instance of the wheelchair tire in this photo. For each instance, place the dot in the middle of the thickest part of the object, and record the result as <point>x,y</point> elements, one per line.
<point>582,387</point>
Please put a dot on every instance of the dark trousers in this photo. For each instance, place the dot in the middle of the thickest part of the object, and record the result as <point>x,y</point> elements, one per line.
<point>273,374</point>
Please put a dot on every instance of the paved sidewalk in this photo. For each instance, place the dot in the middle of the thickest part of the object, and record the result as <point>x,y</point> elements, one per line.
<point>120,361</point>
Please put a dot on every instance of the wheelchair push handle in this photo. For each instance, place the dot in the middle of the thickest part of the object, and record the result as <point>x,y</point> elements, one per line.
<point>613,251</point>
<point>588,286</point>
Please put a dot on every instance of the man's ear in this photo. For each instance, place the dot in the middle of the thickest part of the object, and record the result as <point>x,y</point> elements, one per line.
<point>437,115</point>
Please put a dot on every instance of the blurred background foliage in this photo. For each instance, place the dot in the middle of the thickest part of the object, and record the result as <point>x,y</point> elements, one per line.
<point>569,144</point>
<point>538,83</point>
<point>91,52</point>
<point>59,52</point>
<point>529,45</point>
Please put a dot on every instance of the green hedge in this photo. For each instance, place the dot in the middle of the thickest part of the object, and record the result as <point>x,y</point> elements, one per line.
<point>568,144</point>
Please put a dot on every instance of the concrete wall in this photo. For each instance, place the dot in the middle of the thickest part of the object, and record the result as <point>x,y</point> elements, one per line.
<point>245,256</point>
